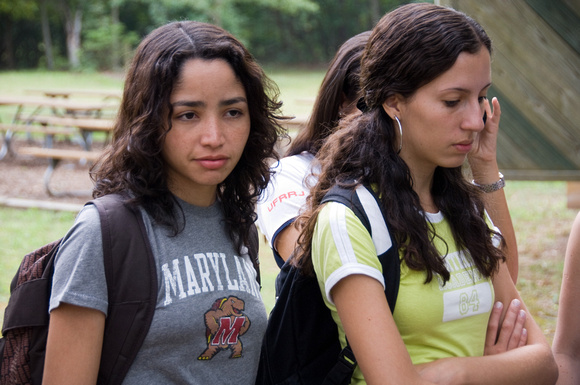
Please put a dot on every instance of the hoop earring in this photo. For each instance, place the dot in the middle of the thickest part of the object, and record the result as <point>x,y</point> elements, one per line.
<point>400,133</point>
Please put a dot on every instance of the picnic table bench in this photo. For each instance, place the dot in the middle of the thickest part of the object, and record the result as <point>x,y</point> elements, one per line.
<point>55,156</point>
<point>85,126</point>
<point>295,123</point>
<point>7,131</point>
<point>36,129</point>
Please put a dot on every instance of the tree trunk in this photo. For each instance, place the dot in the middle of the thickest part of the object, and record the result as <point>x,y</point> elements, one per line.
<point>46,38</point>
<point>7,49</point>
<point>375,10</point>
<point>73,23</point>
<point>115,38</point>
<point>216,10</point>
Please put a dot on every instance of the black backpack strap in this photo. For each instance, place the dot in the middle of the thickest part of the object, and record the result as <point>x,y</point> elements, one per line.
<point>387,247</point>
<point>365,204</point>
<point>253,250</point>
<point>132,286</point>
<point>373,219</point>
<point>341,372</point>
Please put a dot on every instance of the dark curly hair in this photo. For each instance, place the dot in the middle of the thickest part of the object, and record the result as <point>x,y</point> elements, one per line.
<point>133,164</point>
<point>408,48</point>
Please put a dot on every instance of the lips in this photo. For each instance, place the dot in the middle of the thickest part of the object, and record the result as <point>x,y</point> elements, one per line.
<point>464,147</point>
<point>212,163</point>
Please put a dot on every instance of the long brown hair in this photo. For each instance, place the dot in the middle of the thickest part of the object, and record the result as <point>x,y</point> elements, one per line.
<point>408,48</point>
<point>133,163</point>
<point>340,82</point>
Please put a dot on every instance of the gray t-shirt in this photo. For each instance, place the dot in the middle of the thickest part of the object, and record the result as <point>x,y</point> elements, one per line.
<point>209,319</point>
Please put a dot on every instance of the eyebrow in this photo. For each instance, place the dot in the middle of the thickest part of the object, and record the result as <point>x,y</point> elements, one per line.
<point>227,102</point>
<point>464,89</point>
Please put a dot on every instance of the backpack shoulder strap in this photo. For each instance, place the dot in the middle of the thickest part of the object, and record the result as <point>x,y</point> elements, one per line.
<point>253,250</point>
<point>365,204</point>
<point>387,247</point>
<point>131,283</point>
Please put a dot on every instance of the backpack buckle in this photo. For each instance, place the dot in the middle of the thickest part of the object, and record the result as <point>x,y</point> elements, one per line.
<point>347,358</point>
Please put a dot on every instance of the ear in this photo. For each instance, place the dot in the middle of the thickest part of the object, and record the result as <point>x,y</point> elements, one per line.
<point>393,105</point>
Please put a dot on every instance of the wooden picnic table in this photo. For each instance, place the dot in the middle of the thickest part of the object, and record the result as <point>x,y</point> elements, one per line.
<point>65,94</point>
<point>58,107</point>
<point>86,124</point>
<point>295,123</point>
<point>49,126</point>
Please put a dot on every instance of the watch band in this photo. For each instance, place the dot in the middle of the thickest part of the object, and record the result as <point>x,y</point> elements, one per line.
<point>488,188</point>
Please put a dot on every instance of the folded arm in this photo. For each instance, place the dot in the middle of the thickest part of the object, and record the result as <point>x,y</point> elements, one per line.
<point>383,358</point>
<point>527,365</point>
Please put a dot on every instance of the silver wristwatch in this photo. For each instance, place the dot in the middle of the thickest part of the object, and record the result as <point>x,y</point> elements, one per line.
<point>488,188</point>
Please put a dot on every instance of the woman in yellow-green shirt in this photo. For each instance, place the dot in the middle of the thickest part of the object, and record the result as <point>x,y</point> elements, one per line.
<point>425,75</point>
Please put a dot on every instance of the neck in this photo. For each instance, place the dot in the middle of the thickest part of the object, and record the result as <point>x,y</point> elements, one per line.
<point>195,196</point>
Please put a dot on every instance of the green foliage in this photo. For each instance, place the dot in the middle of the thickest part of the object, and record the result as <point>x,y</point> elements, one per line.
<point>100,43</point>
<point>290,32</point>
<point>20,9</point>
<point>314,34</point>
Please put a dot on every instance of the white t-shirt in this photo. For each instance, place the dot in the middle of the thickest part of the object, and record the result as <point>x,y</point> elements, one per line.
<point>280,203</point>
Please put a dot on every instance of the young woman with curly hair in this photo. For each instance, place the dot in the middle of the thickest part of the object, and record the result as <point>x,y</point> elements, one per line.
<point>191,149</point>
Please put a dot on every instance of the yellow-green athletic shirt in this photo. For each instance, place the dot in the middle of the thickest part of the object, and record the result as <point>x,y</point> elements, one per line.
<point>434,320</point>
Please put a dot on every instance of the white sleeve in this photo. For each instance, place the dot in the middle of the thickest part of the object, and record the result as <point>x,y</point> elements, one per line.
<point>286,194</point>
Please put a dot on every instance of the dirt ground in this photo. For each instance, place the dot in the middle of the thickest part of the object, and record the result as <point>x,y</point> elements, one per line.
<point>21,177</point>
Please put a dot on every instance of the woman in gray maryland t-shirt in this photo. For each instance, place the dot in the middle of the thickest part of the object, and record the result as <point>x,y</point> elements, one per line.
<point>191,146</point>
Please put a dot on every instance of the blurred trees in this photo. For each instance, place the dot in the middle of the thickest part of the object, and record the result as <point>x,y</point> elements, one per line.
<point>102,34</point>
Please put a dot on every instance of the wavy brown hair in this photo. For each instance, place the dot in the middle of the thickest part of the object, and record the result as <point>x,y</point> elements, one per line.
<point>133,164</point>
<point>408,48</point>
<point>340,82</point>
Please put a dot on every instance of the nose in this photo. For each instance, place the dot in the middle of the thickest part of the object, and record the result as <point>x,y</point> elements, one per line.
<point>473,118</point>
<point>213,132</point>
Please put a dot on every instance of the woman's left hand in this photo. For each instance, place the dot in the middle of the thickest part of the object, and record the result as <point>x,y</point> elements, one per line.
<point>485,146</point>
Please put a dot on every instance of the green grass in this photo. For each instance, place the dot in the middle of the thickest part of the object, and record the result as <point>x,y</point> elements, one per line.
<point>298,88</point>
<point>542,223</point>
<point>22,231</point>
<point>19,82</point>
